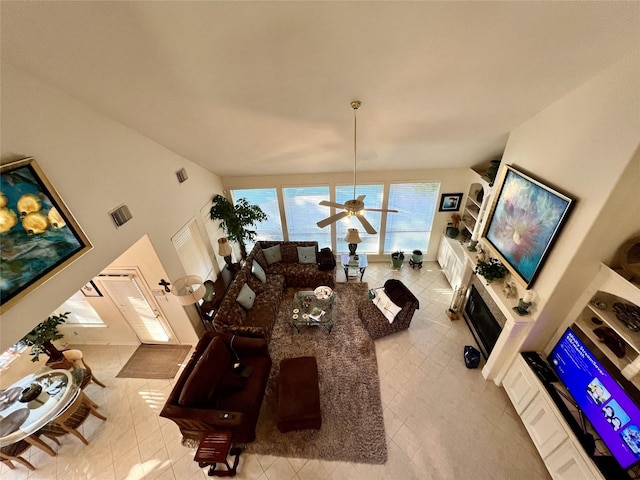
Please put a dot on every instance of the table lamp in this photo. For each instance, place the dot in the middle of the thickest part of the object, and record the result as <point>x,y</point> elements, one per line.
<point>188,290</point>
<point>224,250</point>
<point>353,239</point>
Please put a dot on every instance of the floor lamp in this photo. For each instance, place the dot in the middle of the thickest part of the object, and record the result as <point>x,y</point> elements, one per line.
<point>189,290</point>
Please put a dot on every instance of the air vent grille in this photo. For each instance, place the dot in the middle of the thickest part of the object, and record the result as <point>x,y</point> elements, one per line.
<point>121,215</point>
<point>182,175</point>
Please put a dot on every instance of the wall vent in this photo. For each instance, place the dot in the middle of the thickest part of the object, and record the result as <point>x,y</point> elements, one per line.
<point>182,175</point>
<point>121,215</point>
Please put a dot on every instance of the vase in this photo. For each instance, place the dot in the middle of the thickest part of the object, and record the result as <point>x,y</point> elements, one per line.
<point>452,232</point>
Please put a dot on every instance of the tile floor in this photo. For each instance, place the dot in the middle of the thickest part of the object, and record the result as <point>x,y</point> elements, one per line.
<point>442,420</point>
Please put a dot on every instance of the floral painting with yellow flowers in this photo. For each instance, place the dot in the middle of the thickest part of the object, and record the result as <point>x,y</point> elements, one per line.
<point>525,221</point>
<point>38,235</point>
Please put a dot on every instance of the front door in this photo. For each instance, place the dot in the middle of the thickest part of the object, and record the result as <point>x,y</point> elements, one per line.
<point>129,293</point>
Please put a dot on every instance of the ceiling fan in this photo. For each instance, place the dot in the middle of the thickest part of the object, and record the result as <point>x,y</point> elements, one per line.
<point>354,207</point>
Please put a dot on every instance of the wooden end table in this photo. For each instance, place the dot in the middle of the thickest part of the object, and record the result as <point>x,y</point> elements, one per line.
<point>214,448</point>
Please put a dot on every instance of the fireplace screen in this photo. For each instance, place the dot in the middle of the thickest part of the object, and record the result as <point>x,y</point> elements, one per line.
<point>483,325</point>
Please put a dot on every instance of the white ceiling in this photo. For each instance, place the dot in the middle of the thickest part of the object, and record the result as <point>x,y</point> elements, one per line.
<point>246,88</point>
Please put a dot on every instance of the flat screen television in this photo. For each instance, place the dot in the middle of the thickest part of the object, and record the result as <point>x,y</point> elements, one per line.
<point>607,406</point>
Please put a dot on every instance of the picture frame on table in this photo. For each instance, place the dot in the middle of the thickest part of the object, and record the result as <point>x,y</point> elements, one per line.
<point>524,221</point>
<point>450,202</point>
<point>38,234</point>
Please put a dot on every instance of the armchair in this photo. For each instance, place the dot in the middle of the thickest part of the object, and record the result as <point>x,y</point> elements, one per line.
<point>376,323</point>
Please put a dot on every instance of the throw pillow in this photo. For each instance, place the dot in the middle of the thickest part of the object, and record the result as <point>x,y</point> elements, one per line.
<point>258,272</point>
<point>307,255</point>
<point>272,254</point>
<point>246,297</point>
<point>385,305</point>
<point>205,376</point>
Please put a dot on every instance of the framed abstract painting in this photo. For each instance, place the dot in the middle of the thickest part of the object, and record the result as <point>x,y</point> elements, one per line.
<point>38,235</point>
<point>525,219</point>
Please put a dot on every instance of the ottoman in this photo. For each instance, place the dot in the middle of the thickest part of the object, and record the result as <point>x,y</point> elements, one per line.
<point>298,395</point>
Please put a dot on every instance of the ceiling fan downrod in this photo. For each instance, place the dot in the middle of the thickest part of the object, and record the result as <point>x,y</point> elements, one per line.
<point>355,105</point>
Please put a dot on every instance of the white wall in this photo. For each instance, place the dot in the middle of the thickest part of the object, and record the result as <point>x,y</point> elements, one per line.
<point>582,144</point>
<point>95,164</point>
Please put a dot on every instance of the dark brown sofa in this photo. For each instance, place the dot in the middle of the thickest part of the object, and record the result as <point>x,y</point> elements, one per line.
<point>376,323</point>
<point>210,395</point>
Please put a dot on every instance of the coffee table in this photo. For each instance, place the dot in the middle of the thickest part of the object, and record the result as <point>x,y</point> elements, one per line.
<point>309,311</point>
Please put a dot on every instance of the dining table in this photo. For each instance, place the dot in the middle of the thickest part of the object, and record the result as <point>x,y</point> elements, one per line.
<point>32,402</point>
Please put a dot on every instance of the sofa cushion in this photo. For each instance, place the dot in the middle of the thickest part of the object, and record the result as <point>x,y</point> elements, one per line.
<point>199,388</point>
<point>386,306</point>
<point>258,272</point>
<point>289,252</point>
<point>246,297</point>
<point>230,383</point>
<point>258,255</point>
<point>307,255</point>
<point>272,254</point>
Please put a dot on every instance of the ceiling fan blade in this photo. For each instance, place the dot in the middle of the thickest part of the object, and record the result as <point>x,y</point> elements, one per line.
<point>367,226</point>
<point>361,198</point>
<point>331,219</point>
<point>326,203</point>
<point>380,210</point>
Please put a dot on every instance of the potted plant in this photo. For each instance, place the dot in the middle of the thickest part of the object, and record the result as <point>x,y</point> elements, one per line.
<point>416,256</point>
<point>397,258</point>
<point>41,337</point>
<point>452,229</point>
<point>491,270</point>
<point>236,219</point>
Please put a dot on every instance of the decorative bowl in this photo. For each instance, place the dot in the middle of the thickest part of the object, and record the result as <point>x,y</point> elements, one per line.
<point>323,292</point>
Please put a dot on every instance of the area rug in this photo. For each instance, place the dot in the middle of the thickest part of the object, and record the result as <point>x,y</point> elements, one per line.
<point>155,361</point>
<point>352,422</point>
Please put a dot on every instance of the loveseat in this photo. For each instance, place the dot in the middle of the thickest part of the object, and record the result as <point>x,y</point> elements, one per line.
<point>211,395</point>
<point>251,304</point>
<point>404,302</point>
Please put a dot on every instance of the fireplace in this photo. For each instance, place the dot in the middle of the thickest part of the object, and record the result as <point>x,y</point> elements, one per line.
<point>483,317</point>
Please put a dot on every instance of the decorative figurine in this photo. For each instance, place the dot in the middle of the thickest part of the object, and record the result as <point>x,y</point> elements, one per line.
<point>510,290</point>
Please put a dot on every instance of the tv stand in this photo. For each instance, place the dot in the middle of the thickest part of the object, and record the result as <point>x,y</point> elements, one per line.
<point>559,446</point>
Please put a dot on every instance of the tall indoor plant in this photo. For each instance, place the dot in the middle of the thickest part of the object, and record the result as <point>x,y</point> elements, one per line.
<point>236,219</point>
<point>41,338</point>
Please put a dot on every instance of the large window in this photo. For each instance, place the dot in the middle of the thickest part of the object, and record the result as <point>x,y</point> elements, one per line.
<point>301,206</point>
<point>373,199</point>
<point>267,199</point>
<point>410,229</point>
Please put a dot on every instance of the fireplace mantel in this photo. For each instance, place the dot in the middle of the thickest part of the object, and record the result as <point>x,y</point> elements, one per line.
<point>514,332</point>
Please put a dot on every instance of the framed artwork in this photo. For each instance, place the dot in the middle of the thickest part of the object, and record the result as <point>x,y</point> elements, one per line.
<point>450,202</point>
<point>38,234</point>
<point>90,290</point>
<point>525,219</point>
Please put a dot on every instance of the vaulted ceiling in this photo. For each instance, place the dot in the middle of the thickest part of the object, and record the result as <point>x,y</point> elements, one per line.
<point>246,88</point>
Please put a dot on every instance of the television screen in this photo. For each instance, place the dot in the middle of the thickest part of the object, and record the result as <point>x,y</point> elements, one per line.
<point>614,416</point>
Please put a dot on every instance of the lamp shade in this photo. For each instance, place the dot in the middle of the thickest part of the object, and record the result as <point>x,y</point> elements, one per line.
<point>352,236</point>
<point>224,249</point>
<point>188,290</point>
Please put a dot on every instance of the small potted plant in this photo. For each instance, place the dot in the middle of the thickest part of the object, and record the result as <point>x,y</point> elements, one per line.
<point>41,337</point>
<point>397,258</point>
<point>452,229</point>
<point>491,270</point>
<point>416,256</point>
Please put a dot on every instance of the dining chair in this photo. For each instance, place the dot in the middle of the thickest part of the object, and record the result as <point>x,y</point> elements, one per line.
<point>69,420</point>
<point>12,453</point>
<point>82,372</point>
